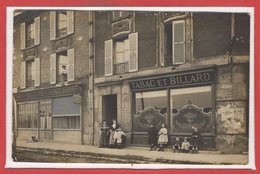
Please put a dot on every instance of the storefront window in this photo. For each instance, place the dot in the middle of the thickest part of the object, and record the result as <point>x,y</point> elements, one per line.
<point>66,113</point>
<point>191,107</point>
<point>151,108</point>
<point>27,115</point>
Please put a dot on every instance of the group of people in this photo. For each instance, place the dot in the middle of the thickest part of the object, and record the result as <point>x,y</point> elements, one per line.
<point>111,136</point>
<point>159,139</point>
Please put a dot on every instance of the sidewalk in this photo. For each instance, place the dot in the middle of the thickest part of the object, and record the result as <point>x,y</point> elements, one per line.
<point>134,154</point>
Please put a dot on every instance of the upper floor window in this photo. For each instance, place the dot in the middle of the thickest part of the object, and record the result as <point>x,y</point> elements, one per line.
<point>175,42</point>
<point>30,73</point>
<point>61,23</point>
<point>62,66</point>
<point>30,33</point>
<point>121,55</point>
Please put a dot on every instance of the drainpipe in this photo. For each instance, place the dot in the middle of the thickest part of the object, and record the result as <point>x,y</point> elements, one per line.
<point>91,73</point>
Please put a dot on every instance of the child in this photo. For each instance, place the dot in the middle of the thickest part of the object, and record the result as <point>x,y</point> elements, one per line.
<point>177,145</point>
<point>152,136</point>
<point>163,138</point>
<point>118,138</point>
<point>104,135</point>
<point>185,146</point>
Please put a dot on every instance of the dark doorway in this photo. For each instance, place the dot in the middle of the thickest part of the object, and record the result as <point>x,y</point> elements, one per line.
<point>109,108</point>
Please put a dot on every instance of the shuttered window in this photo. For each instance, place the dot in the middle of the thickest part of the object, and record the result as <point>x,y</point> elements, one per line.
<point>178,40</point>
<point>61,23</point>
<point>133,49</point>
<point>109,57</point>
<point>30,33</point>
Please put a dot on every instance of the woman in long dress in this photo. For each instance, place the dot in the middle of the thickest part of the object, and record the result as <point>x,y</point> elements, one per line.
<point>163,138</point>
<point>112,130</point>
<point>104,135</point>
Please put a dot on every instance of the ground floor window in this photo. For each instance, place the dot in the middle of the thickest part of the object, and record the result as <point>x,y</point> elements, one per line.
<point>191,107</point>
<point>66,113</point>
<point>180,109</point>
<point>27,115</point>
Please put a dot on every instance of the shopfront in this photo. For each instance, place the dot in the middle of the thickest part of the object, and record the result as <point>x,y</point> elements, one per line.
<point>50,114</point>
<point>181,100</point>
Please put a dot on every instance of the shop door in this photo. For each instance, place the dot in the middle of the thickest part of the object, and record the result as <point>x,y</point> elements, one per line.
<point>109,108</point>
<point>45,120</point>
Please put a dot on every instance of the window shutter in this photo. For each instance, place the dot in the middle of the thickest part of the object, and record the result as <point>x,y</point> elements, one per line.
<point>178,40</point>
<point>71,64</point>
<point>52,25</point>
<point>70,22</point>
<point>37,24</point>
<point>53,69</point>
<point>161,41</point>
<point>23,75</point>
<point>22,35</point>
<point>109,57</point>
<point>37,71</point>
<point>133,46</point>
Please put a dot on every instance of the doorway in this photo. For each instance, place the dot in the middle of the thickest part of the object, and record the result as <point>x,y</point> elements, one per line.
<point>109,108</point>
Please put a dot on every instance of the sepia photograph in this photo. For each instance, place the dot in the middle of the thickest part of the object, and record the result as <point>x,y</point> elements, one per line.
<point>123,87</point>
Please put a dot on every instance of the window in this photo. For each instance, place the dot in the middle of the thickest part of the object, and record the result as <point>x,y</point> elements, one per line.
<point>66,114</point>
<point>191,107</point>
<point>27,115</point>
<point>151,108</point>
<point>30,76</point>
<point>30,73</point>
<point>175,42</point>
<point>62,66</point>
<point>121,55</point>
<point>30,33</point>
<point>62,69</point>
<point>61,23</point>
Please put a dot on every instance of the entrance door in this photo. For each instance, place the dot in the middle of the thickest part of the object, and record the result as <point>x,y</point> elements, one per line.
<point>45,120</point>
<point>109,108</point>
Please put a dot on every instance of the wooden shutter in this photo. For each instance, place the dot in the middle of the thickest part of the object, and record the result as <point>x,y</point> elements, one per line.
<point>109,57</point>
<point>71,64</point>
<point>53,69</point>
<point>37,71</point>
<point>178,42</point>
<point>37,24</point>
<point>133,46</point>
<point>22,35</point>
<point>70,22</point>
<point>52,25</point>
<point>23,75</point>
<point>161,41</point>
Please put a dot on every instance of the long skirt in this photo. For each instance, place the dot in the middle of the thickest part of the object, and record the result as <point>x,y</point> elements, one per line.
<point>111,138</point>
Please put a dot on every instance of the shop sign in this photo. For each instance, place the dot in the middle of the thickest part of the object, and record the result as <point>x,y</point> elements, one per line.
<point>173,81</point>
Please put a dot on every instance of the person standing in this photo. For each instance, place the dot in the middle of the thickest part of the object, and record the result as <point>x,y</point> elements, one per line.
<point>112,130</point>
<point>104,135</point>
<point>163,138</point>
<point>118,136</point>
<point>152,136</point>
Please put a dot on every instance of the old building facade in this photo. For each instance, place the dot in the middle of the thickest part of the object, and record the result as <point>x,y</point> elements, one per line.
<point>183,69</point>
<point>51,74</point>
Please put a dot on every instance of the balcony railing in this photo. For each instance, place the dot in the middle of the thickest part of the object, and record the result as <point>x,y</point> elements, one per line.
<point>121,68</point>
